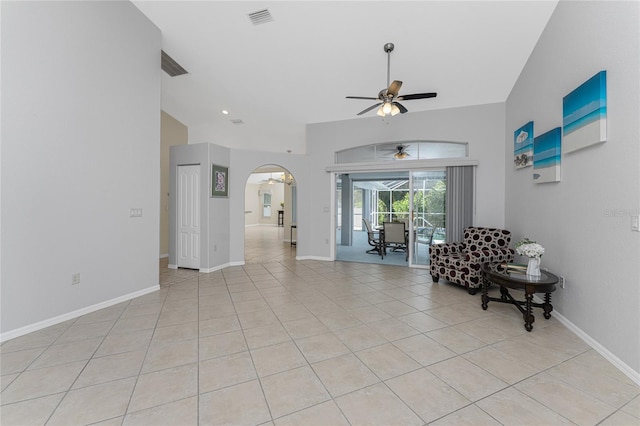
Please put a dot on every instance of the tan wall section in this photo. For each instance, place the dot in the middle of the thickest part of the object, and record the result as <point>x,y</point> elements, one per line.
<point>172,132</point>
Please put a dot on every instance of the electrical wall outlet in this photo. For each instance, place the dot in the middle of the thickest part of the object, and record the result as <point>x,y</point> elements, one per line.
<point>75,279</point>
<point>563,282</point>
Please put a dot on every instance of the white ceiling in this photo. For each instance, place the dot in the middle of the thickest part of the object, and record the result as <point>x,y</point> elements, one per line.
<point>278,76</point>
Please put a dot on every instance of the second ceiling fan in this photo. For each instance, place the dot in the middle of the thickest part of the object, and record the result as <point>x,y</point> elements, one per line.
<point>388,98</point>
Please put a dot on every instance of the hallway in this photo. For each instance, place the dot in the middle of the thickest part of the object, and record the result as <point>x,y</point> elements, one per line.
<point>267,244</point>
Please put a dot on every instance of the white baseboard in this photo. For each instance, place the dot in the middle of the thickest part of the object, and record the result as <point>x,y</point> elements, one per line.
<point>71,315</point>
<point>323,259</point>
<point>617,362</point>
<point>215,268</point>
<point>219,267</point>
<point>164,255</point>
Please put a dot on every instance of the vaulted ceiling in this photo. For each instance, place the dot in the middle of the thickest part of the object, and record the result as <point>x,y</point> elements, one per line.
<point>278,76</point>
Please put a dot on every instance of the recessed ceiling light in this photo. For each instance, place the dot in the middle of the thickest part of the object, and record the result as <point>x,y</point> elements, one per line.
<point>225,112</point>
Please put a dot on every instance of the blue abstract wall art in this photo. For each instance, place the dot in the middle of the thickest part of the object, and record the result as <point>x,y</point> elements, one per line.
<point>523,146</point>
<point>546,156</point>
<point>584,114</point>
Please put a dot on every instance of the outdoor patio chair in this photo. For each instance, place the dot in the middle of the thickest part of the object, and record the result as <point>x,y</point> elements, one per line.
<point>372,238</point>
<point>394,236</point>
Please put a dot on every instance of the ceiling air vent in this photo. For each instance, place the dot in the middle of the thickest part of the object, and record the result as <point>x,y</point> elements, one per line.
<point>171,67</point>
<point>261,17</point>
<point>237,121</point>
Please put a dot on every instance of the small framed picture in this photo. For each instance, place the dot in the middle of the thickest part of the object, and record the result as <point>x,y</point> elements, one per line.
<point>219,181</point>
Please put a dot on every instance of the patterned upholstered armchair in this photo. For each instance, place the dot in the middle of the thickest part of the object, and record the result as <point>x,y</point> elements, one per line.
<point>460,262</point>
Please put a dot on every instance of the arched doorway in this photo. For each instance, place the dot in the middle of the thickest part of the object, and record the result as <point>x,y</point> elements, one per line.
<point>270,215</point>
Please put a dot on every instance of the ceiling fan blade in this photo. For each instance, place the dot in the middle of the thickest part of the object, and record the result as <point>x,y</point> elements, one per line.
<point>370,108</point>
<point>417,96</point>
<point>362,97</point>
<point>394,88</point>
<point>401,108</point>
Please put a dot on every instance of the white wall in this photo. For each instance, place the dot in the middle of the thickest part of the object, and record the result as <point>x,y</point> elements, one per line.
<point>584,221</point>
<point>80,148</point>
<point>481,126</point>
<point>252,204</point>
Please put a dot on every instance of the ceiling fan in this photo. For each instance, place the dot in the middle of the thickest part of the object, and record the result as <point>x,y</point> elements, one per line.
<point>388,98</point>
<point>401,153</point>
<point>398,152</point>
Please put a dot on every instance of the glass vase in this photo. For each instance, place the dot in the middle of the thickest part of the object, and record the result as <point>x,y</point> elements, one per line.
<point>533,267</point>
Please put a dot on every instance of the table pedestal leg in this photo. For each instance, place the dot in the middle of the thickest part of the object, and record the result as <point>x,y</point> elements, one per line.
<point>529,319</point>
<point>547,306</point>
<point>503,293</point>
<point>485,291</point>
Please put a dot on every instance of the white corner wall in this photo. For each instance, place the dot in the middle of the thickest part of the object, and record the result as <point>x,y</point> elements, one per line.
<point>80,148</point>
<point>584,221</point>
<point>214,211</point>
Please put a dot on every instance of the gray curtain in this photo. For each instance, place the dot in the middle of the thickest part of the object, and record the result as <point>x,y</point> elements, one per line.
<point>459,204</point>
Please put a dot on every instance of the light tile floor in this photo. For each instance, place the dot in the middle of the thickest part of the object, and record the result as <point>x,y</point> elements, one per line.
<point>309,343</point>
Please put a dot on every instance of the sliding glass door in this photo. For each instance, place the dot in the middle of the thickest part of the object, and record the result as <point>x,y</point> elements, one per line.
<point>417,198</point>
<point>428,194</point>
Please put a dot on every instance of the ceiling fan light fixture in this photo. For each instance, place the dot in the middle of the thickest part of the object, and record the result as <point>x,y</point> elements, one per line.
<point>394,109</point>
<point>380,112</point>
<point>400,155</point>
<point>386,108</point>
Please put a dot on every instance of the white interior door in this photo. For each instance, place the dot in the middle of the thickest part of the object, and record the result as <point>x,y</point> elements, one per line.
<point>189,216</point>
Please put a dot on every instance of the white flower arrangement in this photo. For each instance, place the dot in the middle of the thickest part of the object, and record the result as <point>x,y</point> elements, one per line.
<point>529,248</point>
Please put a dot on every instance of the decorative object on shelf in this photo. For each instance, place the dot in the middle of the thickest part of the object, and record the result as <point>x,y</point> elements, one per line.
<point>534,252</point>
<point>523,146</point>
<point>546,156</point>
<point>219,181</point>
<point>584,114</point>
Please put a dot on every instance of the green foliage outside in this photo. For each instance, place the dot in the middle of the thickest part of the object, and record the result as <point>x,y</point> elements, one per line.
<point>429,205</point>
